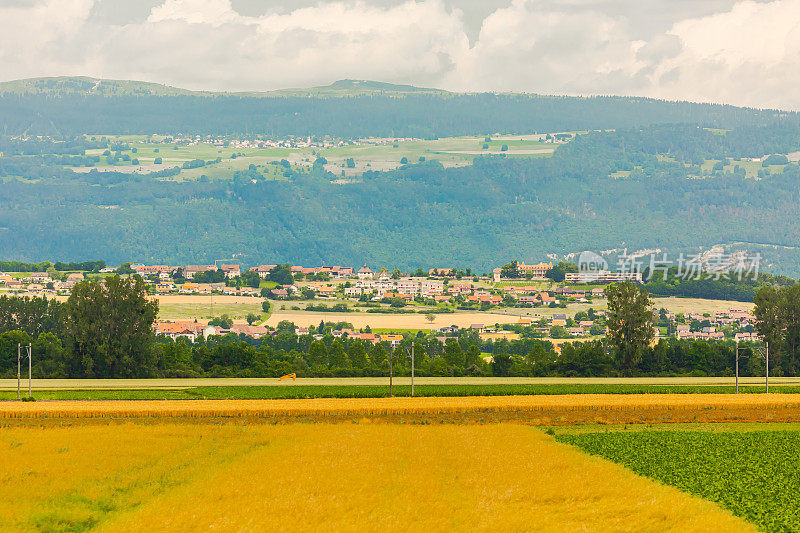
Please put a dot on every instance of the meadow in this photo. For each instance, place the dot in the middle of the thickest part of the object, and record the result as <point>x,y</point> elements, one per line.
<point>752,473</point>
<point>234,477</point>
<point>401,388</point>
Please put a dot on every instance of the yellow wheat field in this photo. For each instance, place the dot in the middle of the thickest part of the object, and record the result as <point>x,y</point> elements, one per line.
<point>326,477</point>
<point>562,409</point>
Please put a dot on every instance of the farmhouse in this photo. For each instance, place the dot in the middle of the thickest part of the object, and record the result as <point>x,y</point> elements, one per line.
<point>262,270</point>
<point>174,330</point>
<point>191,270</point>
<point>231,271</point>
<point>365,273</point>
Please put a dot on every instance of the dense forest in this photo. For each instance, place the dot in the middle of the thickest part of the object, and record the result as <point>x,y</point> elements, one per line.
<point>421,214</point>
<point>370,115</point>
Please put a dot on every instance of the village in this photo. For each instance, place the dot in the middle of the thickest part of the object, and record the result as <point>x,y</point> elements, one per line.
<point>529,305</point>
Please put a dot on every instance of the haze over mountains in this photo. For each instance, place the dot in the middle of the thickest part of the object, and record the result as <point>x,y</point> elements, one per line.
<point>675,176</point>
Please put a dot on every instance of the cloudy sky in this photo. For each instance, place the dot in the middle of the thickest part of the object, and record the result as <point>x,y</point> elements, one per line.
<point>742,52</point>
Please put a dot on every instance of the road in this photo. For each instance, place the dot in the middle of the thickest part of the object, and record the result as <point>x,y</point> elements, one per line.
<point>183,383</point>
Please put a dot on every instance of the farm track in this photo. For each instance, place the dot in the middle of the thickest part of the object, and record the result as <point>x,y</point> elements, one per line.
<point>533,410</point>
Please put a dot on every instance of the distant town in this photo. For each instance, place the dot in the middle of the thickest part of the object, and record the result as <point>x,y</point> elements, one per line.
<point>515,290</point>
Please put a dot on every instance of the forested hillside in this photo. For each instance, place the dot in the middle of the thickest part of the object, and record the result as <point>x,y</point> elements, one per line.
<point>143,109</point>
<point>602,190</point>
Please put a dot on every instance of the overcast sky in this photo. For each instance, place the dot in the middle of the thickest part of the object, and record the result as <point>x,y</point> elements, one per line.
<point>739,52</point>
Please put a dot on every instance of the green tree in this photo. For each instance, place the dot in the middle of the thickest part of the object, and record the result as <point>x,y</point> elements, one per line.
<point>109,328</point>
<point>777,312</point>
<point>318,354</point>
<point>337,355</point>
<point>510,270</point>
<point>557,273</point>
<point>453,355</point>
<point>251,317</point>
<point>630,323</point>
<point>357,354</point>
<point>223,321</point>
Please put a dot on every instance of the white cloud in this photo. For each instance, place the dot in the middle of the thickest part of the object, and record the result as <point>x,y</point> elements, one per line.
<point>748,53</point>
<point>32,35</point>
<point>205,44</point>
<point>532,47</point>
<point>212,12</point>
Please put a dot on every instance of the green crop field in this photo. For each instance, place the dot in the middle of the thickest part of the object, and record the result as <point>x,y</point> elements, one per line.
<point>754,474</point>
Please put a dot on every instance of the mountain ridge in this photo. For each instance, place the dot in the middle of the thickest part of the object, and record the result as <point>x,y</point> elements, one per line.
<point>86,85</point>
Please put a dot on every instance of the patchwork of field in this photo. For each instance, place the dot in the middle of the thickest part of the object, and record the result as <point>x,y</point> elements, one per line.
<point>366,155</point>
<point>327,477</point>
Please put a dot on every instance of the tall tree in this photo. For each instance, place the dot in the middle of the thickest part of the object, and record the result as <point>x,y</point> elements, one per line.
<point>777,313</point>
<point>109,328</point>
<point>630,323</point>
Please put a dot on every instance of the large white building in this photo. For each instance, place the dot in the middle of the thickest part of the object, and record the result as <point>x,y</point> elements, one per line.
<point>603,276</point>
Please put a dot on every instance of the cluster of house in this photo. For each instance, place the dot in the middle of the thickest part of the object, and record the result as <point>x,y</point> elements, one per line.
<point>720,319</point>
<point>534,295</point>
<point>40,282</point>
<point>193,330</point>
<point>255,143</point>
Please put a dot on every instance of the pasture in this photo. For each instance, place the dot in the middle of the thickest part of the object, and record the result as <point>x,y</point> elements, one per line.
<point>234,477</point>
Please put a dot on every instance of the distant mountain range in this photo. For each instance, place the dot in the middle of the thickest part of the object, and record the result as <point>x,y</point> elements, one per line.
<point>69,106</point>
<point>82,85</point>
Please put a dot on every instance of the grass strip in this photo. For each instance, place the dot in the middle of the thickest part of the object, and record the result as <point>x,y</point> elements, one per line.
<point>255,392</point>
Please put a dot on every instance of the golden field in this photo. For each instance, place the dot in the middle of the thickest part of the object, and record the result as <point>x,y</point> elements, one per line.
<point>536,410</point>
<point>333,477</point>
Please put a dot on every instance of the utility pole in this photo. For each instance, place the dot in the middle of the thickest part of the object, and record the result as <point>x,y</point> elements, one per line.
<point>391,362</point>
<point>30,353</point>
<point>412,368</point>
<point>767,357</point>
<point>737,367</point>
<point>19,358</point>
